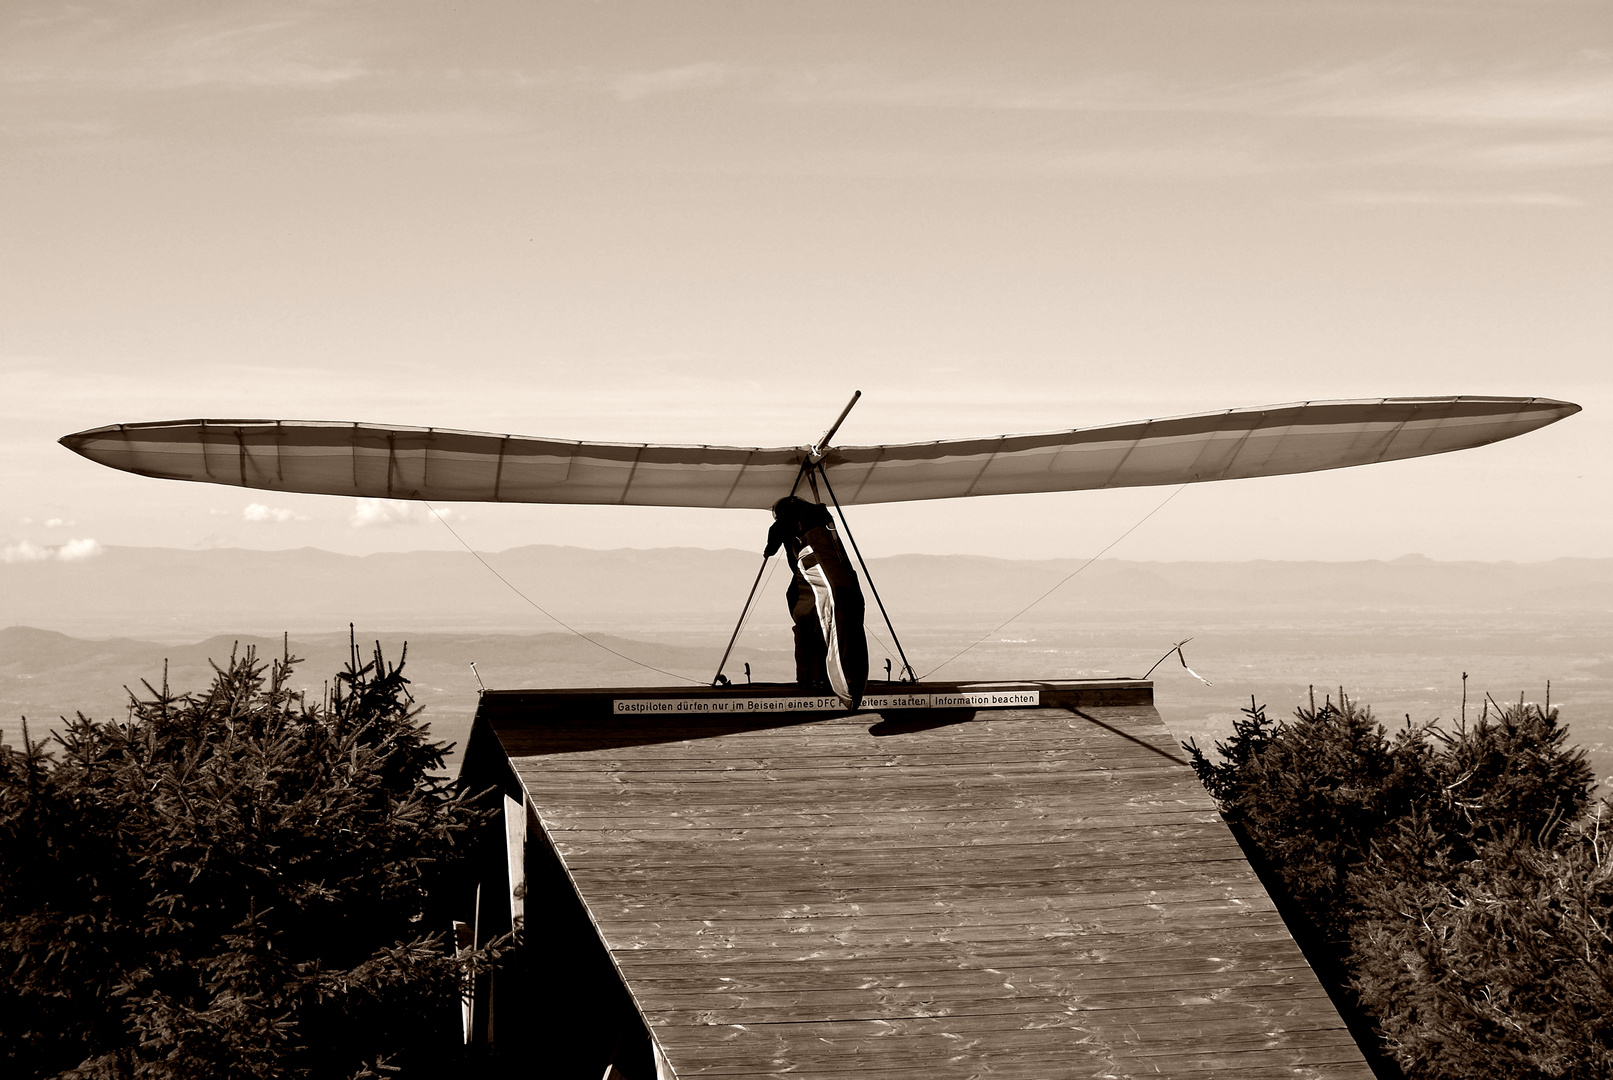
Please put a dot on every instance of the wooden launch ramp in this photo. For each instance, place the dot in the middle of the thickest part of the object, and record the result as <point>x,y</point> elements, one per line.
<point>957,886</point>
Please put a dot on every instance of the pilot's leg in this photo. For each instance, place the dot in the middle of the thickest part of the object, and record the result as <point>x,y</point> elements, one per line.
<point>840,612</point>
<point>809,647</point>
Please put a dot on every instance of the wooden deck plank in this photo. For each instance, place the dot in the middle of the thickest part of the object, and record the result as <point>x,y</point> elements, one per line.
<point>1072,1048</point>
<point>1036,892</point>
<point>1200,873</point>
<point>1016,861</point>
<point>1086,979</point>
<point>1016,1000</point>
<point>888,812</point>
<point>1232,945</point>
<point>1121,955</point>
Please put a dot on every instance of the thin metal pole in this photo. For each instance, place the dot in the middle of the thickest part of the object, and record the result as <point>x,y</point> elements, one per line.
<point>806,463</point>
<point>912,676</point>
<point>821,447</point>
<point>745,611</point>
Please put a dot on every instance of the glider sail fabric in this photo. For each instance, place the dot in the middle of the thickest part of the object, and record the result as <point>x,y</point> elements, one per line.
<point>1268,441</point>
<point>440,465</point>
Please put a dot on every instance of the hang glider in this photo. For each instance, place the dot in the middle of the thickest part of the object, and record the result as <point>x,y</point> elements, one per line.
<point>440,465</point>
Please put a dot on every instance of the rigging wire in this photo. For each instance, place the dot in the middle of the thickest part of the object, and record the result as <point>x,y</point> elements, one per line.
<point>744,616</point>
<point>889,658</point>
<point>718,680</point>
<point>1058,586</point>
<point>871,586</point>
<point>744,619</point>
<point>546,611</point>
<point>744,613</point>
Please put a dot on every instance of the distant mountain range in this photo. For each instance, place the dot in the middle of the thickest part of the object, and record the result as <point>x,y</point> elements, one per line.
<point>45,674</point>
<point>1401,633</point>
<point>172,594</point>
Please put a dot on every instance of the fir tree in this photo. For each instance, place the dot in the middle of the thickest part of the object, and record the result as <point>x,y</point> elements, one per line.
<point>1454,886</point>
<point>234,884</point>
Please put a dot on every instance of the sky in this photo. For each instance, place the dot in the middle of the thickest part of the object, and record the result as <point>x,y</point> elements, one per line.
<point>710,222</point>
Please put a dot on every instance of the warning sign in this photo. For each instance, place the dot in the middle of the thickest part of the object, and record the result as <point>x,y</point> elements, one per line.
<point>961,699</point>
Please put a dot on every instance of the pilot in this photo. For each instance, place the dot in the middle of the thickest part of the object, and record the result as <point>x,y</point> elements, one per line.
<point>825,600</point>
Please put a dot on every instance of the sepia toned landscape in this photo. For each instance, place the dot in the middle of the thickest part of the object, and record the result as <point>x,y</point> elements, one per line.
<point>1396,635</point>
<point>1258,351</point>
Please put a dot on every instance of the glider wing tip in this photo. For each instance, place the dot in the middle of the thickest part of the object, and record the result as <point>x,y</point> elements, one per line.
<point>1556,410</point>
<point>77,440</point>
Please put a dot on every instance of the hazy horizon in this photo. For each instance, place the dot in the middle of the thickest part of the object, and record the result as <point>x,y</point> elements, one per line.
<point>53,553</point>
<point>1407,670</point>
<point>1396,634</point>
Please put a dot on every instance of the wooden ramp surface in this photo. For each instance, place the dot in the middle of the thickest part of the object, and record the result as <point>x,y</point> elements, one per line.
<point>1039,892</point>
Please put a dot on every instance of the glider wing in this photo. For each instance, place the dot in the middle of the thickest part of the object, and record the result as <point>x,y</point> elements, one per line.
<point>1266,441</point>
<point>441,465</point>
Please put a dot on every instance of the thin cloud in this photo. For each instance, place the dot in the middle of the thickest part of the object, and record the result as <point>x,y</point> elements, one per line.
<point>256,54</point>
<point>1383,90</point>
<point>437,123</point>
<point>389,513</point>
<point>278,515</point>
<point>642,84</point>
<point>1200,160</point>
<point>157,76</point>
<point>1557,99</point>
<point>1548,154</point>
<point>1113,92</point>
<point>1400,114</point>
<point>77,550</point>
<point>52,130</point>
<point>848,85</point>
<point>1455,198</point>
<point>25,551</point>
<point>258,74</point>
<point>98,48</point>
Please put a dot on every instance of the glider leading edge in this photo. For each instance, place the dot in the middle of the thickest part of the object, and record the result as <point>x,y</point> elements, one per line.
<point>442,465</point>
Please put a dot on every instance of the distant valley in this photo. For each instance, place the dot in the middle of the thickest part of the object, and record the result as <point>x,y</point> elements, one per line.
<point>173,594</point>
<point>1397,635</point>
